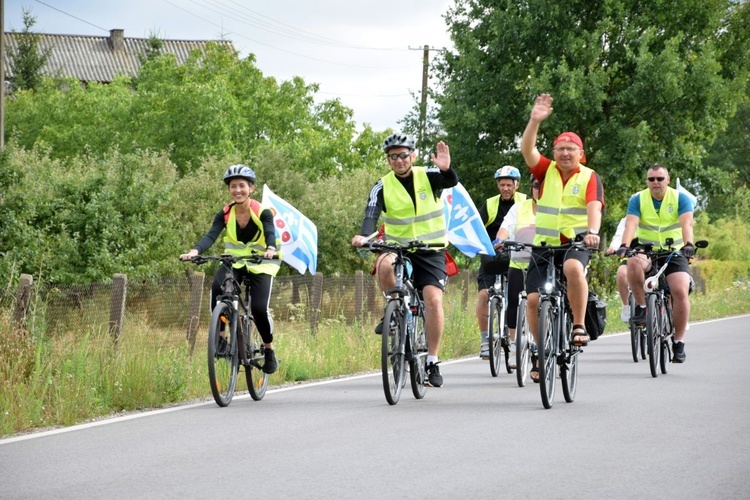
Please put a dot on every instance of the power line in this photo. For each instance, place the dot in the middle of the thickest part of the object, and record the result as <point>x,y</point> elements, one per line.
<point>202,18</point>
<point>71,15</point>
<point>315,36</point>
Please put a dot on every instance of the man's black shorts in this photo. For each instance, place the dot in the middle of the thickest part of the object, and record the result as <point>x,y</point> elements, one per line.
<point>536,275</point>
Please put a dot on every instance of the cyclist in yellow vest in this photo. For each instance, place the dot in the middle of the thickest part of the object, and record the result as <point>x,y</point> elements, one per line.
<point>657,213</point>
<point>570,204</point>
<point>249,231</point>
<point>519,225</point>
<point>408,197</point>
<point>492,213</point>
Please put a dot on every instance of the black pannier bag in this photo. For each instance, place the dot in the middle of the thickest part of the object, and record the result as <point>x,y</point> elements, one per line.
<point>596,316</point>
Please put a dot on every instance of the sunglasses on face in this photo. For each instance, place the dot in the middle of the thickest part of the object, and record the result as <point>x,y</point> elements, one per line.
<point>396,156</point>
<point>655,179</point>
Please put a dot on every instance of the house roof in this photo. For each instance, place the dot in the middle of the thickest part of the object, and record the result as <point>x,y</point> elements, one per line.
<point>99,58</point>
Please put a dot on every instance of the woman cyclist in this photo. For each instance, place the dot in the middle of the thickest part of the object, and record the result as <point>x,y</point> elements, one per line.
<point>249,231</point>
<point>519,225</point>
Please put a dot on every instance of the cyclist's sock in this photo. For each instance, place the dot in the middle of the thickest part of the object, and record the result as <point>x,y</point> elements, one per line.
<point>432,359</point>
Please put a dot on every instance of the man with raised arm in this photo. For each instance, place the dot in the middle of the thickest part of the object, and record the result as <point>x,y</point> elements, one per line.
<point>409,199</point>
<point>570,204</point>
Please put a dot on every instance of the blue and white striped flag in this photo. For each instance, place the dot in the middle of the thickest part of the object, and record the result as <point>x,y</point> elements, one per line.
<point>297,234</point>
<point>465,228</point>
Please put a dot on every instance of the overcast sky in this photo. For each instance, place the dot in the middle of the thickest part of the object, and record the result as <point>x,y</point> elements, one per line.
<point>366,52</point>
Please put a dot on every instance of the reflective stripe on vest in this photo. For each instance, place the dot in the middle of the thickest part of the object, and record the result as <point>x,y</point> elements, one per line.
<point>494,203</point>
<point>402,222</point>
<point>525,222</point>
<point>562,209</point>
<point>655,228</point>
<point>234,247</point>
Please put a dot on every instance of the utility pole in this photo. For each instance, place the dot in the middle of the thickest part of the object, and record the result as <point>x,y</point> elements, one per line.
<point>423,104</point>
<point>2,75</point>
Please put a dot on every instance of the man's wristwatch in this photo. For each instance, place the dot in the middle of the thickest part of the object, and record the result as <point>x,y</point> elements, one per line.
<point>595,232</point>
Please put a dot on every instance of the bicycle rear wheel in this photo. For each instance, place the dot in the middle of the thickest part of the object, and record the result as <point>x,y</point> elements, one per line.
<point>569,368</point>
<point>635,331</point>
<point>523,344</point>
<point>391,357</point>
<point>546,353</point>
<point>496,329</point>
<point>257,379</point>
<point>666,334</point>
<point>653,333</point>
<point>635,342</point>
<point>418,362</point>
<point>223,359</point>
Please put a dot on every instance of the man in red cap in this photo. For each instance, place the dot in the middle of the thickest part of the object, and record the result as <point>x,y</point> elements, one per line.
<point>570,204</point>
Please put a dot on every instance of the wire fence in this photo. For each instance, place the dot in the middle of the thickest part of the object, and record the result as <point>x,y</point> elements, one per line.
<point>168,305</point>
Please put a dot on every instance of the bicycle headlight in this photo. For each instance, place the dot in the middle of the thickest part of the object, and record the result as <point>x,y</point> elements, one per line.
<point>548,287</point>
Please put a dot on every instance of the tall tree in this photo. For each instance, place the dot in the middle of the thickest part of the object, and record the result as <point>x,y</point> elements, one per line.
<point>641,82</point>
<point>27,61</point>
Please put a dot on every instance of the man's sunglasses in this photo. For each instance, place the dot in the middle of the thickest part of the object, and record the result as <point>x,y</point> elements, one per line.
<point>396,156</point>
<point>653,179</point>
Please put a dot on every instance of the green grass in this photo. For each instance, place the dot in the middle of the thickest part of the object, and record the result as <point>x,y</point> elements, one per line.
<point>703,306</point>
<point>47,382</point>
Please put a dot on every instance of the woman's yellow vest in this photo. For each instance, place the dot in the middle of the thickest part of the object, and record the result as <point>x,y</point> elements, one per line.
<point>562,209</point>
<point>525,220</point>
<point>234,247</point>
<point>494,202</point>
<point>404,223</point>
<point>655,228</point>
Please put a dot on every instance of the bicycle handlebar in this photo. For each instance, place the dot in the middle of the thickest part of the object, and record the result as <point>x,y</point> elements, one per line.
<point>648,249</point>
<point>225,259</point>
<point>379,246</point>
<point>517,246</point>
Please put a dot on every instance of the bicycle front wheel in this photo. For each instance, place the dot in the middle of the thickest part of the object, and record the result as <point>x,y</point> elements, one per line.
<point>496,329</point>
<point>257,379</point>
<point>418,361</point>
<point>653,333</point>
<point>223,358</point>
<point>546,353</point>
<point>391,354</point>
<point>523,344</point>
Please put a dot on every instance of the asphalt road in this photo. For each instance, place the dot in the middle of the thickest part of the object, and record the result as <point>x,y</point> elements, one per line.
<point>682,435</point>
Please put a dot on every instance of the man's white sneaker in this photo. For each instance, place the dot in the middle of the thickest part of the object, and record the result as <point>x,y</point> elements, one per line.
<point>484,345</point>
<point>625,314</point>
<point>512,357</point>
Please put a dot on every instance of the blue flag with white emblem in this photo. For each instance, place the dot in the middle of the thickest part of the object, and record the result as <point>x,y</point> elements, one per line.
<point>296,233</point>
<point>465,227</point>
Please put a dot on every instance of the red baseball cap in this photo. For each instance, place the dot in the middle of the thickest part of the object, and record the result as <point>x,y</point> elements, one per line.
<point>569,137</point>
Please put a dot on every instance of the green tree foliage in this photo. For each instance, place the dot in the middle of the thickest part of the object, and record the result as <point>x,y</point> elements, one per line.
<point>641,82</point>
<point>27,61</point>
<point>215,104</point>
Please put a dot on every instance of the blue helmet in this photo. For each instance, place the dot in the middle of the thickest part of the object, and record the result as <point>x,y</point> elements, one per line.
<point>239,172</point>
<point>508,172</point>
